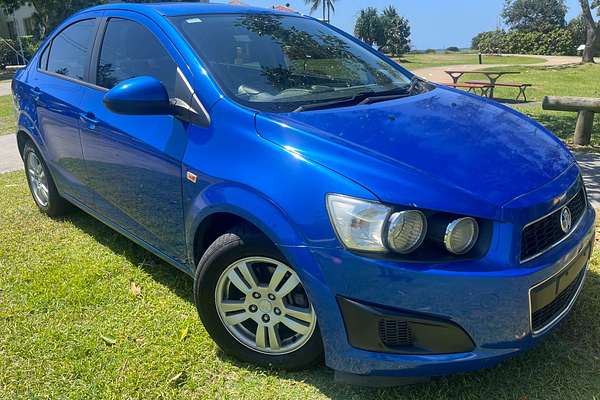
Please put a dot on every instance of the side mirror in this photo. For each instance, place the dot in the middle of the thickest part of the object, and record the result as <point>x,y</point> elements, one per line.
<point>143,95</point>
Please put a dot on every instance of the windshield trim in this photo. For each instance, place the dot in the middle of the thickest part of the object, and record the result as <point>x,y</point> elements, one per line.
<point>292,104</point>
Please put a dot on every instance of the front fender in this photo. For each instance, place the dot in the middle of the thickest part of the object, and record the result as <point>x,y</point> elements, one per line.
<point>243,202</point>
<point>255,208</point>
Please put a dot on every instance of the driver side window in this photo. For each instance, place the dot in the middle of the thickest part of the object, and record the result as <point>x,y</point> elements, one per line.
<point>130,50</point>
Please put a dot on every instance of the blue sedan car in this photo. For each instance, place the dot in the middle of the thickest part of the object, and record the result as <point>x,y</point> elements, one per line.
<point>327,202</point>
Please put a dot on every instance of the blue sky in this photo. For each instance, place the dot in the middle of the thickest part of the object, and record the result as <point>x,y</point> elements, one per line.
<point>435,24</point>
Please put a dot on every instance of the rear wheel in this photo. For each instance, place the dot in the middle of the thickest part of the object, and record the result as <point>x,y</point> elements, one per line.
<point>253,303</point>
<point>42,187</point>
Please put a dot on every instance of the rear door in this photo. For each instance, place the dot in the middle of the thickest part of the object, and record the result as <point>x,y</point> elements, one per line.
<point>57,88</point>
<point>134,162</point>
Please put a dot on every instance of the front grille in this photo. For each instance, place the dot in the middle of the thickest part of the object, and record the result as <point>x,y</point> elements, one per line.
<point>394,333</point>
<point>543,234</point>
<point>545,315</point>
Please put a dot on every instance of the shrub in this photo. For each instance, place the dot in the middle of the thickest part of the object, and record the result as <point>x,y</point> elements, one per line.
<point>453,49</point>
<point>476,40</point>
<point>430,51</point>
<point>491,42</point>
<point>559,42</point>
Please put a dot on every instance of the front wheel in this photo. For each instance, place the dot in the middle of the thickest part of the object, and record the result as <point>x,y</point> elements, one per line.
<point>253,303</point>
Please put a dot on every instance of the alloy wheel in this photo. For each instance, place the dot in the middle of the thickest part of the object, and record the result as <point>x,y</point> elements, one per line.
<point>264,306</point>
<point>38,182</point>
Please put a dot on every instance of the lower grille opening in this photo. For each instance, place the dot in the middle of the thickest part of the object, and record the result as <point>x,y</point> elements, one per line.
<point>544,316</point>
<point>395,333</point>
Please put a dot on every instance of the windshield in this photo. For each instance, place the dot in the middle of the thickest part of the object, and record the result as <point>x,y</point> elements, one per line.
<point>279,63</point>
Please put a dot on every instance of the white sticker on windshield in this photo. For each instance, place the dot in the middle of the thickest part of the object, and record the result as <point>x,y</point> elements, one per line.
<point>193,21</point>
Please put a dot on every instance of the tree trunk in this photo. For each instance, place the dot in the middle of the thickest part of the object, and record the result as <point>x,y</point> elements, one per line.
<point>588,52</point>
<point>584,128</point>
<point>592,29</point>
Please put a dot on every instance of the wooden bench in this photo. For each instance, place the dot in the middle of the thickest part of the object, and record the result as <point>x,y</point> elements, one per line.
<point>521,86</point>
<point>484,87</point>
<point>585,106</point>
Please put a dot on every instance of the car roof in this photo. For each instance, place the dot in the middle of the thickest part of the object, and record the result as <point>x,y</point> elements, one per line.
<point>173,9</point>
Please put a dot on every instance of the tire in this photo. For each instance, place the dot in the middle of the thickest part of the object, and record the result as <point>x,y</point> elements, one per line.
<point>280,347</point>
<point>41,185</point>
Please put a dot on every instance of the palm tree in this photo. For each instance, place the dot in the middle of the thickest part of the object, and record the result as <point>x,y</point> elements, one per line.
<point>327,5</point>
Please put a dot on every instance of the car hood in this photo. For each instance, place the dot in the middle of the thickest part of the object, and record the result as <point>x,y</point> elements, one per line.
<point>442,150</point>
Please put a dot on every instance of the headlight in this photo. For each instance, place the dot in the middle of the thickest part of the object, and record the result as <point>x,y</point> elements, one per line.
<point>358,223</point>
<point>461,235</point>
<point>406,231</point>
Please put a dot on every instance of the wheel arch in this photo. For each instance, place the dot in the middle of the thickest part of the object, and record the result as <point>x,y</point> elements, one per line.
<point>27,131</point>
<point>213,226</point>
<point>220,208</point>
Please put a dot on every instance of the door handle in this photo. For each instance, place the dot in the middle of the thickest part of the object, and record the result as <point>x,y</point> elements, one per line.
<point>90,119</point>
<point>35,93</point>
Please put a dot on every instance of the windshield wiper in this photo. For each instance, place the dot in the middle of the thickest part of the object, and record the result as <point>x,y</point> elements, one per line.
<point>330,104</point>
<point>363,98</point>
<point>377,98</point>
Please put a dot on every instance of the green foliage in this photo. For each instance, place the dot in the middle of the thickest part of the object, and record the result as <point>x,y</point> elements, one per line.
<point>578,29</point>
<point>535,15</point>
<point>430,51</point>
<point>369,28</point>
<point>8,56</point>
<point>396,32</point>
<point>476,40</point>
<point>398,36</point>
<point>387,18</point>
<point>491,42</point>
<point>555,42</point>
<point>390,31</point>
<point>453,49</point>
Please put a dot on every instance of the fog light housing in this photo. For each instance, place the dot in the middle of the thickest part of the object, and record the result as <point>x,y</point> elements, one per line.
<point>461,235</point>
<point>406,231</point>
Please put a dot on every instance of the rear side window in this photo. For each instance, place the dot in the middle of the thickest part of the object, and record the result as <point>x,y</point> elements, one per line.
<point>70,50</point>
<point>130,50</point>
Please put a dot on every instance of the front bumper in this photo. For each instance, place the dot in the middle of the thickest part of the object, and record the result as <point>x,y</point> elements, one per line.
<point>491,307</point>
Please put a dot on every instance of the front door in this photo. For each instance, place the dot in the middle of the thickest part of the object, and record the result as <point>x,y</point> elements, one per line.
<point>134,162</point>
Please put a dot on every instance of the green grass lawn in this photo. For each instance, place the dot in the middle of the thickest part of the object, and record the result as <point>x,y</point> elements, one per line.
<point>417,61</point>
<point>85,313</point>
<point>7,116</point>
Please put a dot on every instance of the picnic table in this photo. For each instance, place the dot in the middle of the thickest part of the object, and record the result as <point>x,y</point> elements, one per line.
<point>492,76</point>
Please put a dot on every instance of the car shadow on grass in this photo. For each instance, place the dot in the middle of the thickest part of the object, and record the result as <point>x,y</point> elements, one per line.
<point>177,281</point>
<point>566,365</point>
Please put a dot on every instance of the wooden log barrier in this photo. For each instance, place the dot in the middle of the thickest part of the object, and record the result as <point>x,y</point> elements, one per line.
<point>586,107</point>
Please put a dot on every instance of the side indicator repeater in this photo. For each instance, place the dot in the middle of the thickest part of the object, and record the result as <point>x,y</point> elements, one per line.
<point>191,177</point>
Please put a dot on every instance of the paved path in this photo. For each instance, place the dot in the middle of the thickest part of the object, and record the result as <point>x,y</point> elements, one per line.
<point>5,88</point>
<point>437,74</point>
<point>590,169</point>
<point>589,162</point>
<point>10,160</point>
